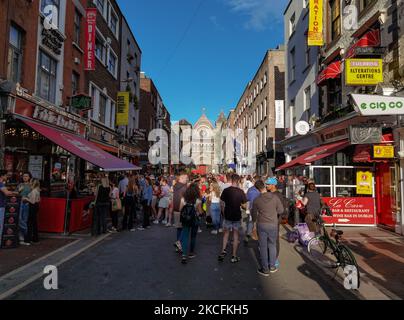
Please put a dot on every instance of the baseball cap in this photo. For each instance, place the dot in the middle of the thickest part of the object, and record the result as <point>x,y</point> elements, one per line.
<point>271,181</point>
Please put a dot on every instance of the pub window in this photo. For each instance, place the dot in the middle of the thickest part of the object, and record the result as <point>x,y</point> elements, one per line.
<point>15,54</point>
<point>335,6</point>
<point>77,23</point>
<point>47,77</point>
<point>56,5</point>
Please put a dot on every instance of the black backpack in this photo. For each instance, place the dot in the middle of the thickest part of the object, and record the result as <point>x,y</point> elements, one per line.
<point>188,215</point>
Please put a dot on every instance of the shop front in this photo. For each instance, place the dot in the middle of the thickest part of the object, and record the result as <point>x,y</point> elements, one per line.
<point>50,144</point>
<point>355,171</point>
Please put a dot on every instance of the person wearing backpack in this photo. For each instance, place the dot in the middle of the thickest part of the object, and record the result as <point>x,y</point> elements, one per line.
<point>190,210</point>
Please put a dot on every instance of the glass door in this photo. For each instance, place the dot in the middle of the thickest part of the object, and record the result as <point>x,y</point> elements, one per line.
<point>323,178</point>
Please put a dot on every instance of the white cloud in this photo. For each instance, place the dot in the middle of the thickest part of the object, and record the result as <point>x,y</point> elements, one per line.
<point>261,13</point>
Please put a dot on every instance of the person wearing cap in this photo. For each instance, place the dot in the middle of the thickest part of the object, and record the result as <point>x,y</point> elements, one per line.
<point>265,212</point>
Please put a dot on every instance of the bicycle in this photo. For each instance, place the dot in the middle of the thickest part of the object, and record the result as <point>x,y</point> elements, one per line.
<point>328,251</point>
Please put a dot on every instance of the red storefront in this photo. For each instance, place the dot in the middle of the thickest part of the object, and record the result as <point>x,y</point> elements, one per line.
<point>50,143</point>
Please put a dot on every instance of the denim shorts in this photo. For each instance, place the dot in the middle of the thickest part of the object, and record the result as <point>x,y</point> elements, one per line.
<point>231,225</point>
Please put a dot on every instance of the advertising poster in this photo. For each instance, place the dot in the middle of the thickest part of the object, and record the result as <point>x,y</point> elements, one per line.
<point>35,167</point>
<point>383,152</point>
<point>364,183</point>
<point>364,72</point>
<point>315,34</point>
<point>122,109</point>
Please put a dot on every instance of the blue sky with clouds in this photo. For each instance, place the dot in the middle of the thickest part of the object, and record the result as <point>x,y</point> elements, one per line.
<point>202,53</point>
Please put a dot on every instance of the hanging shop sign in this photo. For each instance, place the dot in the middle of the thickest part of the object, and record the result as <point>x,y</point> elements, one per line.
<point>375,105</point>
<point>280,114</point>
<point>351,211</point>
<point>365,134</point>
<point>91,21</point>
<point>364,72</point>
<point>122,111</point>
<point>302,128</point>
<point>315,33</point>
<point>370,51</point>
<point>139,134</point>
<point>364,183</point>
<point>383,152</point>
<point>81,102</point>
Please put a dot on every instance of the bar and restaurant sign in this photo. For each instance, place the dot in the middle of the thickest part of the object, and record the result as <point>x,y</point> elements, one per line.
<point>91,21</point>
<point>122,111</point>
<point>364,72</point>
<point>351,211</point>
<point>376,105</point>
<point>315,33</point>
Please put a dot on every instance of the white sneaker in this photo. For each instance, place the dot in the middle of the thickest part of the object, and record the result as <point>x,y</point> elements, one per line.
<point>132,230</point>
<point>164,222</point>
<point>214,232</point>
<point>156,222</point>
<point>199,230</point>
<point>141,229</point>
<point>220,230</point>
<point>25,243</point>
<point>168,225</point>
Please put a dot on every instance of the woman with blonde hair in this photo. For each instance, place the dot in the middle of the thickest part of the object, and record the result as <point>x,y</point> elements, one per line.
<point>215,207</point>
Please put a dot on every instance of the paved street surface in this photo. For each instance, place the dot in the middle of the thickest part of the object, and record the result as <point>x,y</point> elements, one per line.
<point>143,265</point>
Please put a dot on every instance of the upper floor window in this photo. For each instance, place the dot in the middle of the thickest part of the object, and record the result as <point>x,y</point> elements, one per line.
<point>77,24</point>
<point>306,3</point>
<point>100,6</point>
<point>364,4</point>
<point>46,83</point>
<point>292,69</point>
<point>292,24</point>
<point>102,108</point>
<point>75,83</point>
<point>265,78</point>
<point>113,21</point>
<point>335,6</point>
<point>100,49</point>
<point>307,98</point>
<point>15,54</point>
<point>307,55</point>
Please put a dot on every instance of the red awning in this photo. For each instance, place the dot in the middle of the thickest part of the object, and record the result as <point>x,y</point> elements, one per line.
<point>82,148</point>
<point>315,155</point>
<point>370,39</point>
<point>331,72</point>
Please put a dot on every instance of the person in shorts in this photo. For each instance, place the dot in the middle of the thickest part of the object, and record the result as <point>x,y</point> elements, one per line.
<point>233,199</point>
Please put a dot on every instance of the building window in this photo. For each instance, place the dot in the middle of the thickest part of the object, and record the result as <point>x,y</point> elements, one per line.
<point>100,6</point>
<point>112,63</point>
<point>75,83</point>
<point>102,108</point>
<point>307,55</point>
<point>335,19</point>
<point>55,3</point>
<point>100,49</point>
<point>292,24</point>
<point>265,78</point>
<point>261,117</point>
<point>112,116</point>
<point>113,22</point>
<point>307,98</point>
<point>306,3</point>
<point>15,54</point>
<point>265,107</point>
<point>77,23</point>
<point>292,113</point>
<point>265,138</point>
<point>292,69</point>
<point>47,77</point>
<point>364,4</point>
<point>334,94</point>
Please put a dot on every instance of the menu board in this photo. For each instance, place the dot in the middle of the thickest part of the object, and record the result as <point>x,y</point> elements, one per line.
<point>35,166</point>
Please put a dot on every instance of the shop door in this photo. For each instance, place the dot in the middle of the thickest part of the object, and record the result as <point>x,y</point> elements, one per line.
<point>322,176</point>
<point>385,194</point>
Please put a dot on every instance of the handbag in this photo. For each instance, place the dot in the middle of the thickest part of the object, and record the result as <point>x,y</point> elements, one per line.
<point>254,233</point>
<point>116,204</point>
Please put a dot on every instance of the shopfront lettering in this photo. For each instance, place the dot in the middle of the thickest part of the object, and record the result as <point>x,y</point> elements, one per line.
<point>59,120</point>
<point>360,210</point>
<point>382,105</point>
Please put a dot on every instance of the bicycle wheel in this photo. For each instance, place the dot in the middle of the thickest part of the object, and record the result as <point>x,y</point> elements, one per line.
<point>347,259</point>
<point>321,253</point>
